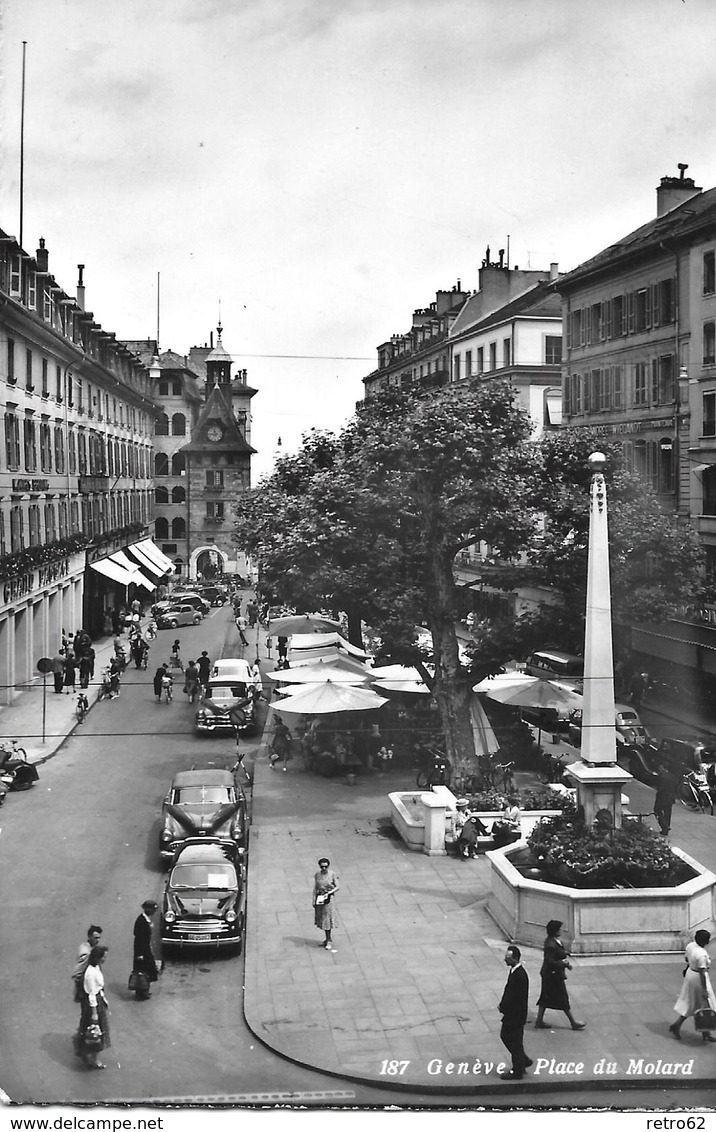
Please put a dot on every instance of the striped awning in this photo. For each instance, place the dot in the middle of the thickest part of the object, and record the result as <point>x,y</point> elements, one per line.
<point>140,563</point>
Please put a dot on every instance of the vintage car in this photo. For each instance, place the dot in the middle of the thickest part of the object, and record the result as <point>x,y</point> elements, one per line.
<point>203,803</point>
<point>235,668</point>
<point>175,615</point>
<point>630,731</point>
<point>227,704</point>
<point>682,755</point>
<point>181,597</point>
<point>204,902</point>
<point>215,595</point>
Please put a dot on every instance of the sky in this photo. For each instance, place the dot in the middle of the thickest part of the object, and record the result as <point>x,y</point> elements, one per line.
<point>312,171</point>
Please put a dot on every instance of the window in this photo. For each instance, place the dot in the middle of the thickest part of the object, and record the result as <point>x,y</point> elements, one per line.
<point>169,547</point>
<point>11,376</point>
<point>215,511</point>
<point>618,316</point>
<point>82,454</point>
<point>456,368</point>
<point>176,388</point>
<point>506,352</point>
<point>58,383</point>
<point>708,427</point>
<point>178,464</point>
<point>29,383</point>
<point>578,328</point>
<point>214,478</point>
<point>552,349</point>
<point>596,329</point>
<point>178,495</point>
<point>30,439</point>
<point>163,388</point>
<point>72,453</point>
<point>59,450</point>
<point>34,524</point>
<point>576,393</point>
<point>665,481</point>
<point>617,396</point>
<point>74,517</point>
<point>641,320</point>
<point>161,427</point>
<point>640,384</point>
<point>63,528</point>
<point>709,273</point>
<point>480,360</point>
<point>17,529</point>
<point>493,355</point>
<point>709,491</point>
<point>12,441</point>
<point>178,425</point>
<point>161,464</point>
<point>178,528</point>
<point>665,305</point>
<point>161,495</point>
<point>45,447</point>
<point>50,529</point>
<point>468,363</point>
<point>161,528</point>
<point>709,343</point>
<point>667,378</point>
<point>45,385</point>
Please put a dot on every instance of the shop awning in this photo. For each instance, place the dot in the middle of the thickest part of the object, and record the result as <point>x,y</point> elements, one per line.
<point>113,570</point>
<point>140,564</point>
<point>152,551</point>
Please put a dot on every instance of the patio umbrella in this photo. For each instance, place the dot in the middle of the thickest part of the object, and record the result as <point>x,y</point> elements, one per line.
<point>485,739</point>
<point>300,624</point>
<point>327,698</point>
<point>308,642</point>
<point>399,678</point>
<point>331,655</point>
<point>318,673</point>
<point>396,672</point>
<point>518,690</point>
<point>416,687</point>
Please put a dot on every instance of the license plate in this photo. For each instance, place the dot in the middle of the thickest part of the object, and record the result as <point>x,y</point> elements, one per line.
<point>196,939</point>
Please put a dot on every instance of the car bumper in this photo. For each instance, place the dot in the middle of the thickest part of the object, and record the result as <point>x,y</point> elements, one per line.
<point>199,935</point>
<point>218,724</point>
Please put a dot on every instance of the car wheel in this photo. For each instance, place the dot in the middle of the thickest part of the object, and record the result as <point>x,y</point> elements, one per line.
<point>174,624</point>
<point>197,619</point>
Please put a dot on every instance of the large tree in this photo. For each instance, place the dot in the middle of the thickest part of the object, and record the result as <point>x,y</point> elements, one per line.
<point>371,521</point>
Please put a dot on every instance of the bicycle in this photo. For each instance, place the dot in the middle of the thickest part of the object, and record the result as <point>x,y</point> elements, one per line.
<point>504,778</point>
<point>82,707</point>
<point>167,689</point>
<point>12,748</point>
<point>693,792</point>
<point>551,769</point>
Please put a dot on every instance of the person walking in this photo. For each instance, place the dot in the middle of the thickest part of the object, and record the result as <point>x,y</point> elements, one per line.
<point>637,687</point>
<point>667,786</point>
<point>191,681</point>
<point>58,671</point>
<point>204,666</point>
<point>94,934</point>
<point>93,1033</point>
<point>553,992</point>
<point>280,749</point>
<point>325,885</point>
<point>513,1008</point>
<point>176,661</point>
<point>242,625</point>
<point>158,678</point>
<point>282,645</point>
<point>84,668</point>
<point>144,963</point>
<point>70,673</point>
<point>696,990</point>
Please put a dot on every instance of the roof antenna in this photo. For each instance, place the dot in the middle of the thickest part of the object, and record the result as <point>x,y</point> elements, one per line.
<point>508,253</point>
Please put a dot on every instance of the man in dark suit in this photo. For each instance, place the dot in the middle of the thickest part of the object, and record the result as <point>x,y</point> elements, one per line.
<point>144,961</point>
<point>513,1008</point>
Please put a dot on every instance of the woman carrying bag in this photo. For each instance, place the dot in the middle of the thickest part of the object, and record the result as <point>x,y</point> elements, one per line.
<point>93,1034</point>
<point>553,992</point>
<point>697,997</point>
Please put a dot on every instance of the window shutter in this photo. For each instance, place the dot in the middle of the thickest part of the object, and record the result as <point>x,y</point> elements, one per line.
<point>631,310</point>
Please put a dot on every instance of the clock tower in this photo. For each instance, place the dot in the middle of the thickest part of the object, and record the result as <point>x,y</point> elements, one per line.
<point>218,468</point>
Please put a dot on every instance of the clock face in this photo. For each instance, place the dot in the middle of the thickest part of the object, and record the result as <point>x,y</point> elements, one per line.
<point>215,433</point>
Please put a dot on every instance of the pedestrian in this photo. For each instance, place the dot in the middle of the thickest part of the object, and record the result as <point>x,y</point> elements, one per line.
<point>282,643</point>
<point>280,749</point>
<point>58,671</point>
<point>637,688</point>
<point>204,666</point>
<point>667,785</point>
<point>513,1008</point>
<point>144,962</point>
<point>70,672</point>
<point>176,657</point>
<point>93,1033</point>
<point>94,934</point>
<point>242,625</point>
<point>90,654</point>
<point>85,670</point>
<point>252,613</point>
<point>696,990</point>
<point>553,992</point>
<point>158,677</point>
<point>116,617</point>
<point>136,607</point>
<point>325,885</point>
<point>191,681</point>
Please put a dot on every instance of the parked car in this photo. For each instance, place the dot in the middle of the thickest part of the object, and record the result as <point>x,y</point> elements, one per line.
<point>682,755</point>
<point>204,902</point>
<point>175,615</point>
<point>215,595</point>
<point>203,803</point>
<point>555,665</point>
<point>227,704</point>
<point>630,731</point>
<point>191,598</point>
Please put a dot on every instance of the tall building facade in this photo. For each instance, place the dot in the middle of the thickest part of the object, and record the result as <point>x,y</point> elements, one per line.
<point>75,466</point>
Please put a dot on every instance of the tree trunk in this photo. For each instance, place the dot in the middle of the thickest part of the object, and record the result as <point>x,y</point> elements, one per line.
<point>452,687</point>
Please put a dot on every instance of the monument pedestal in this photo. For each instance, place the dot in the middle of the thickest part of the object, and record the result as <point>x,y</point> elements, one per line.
<point>599,787</point>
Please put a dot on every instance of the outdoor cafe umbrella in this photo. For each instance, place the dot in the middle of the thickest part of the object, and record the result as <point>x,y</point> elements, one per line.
<point>516,689</point>
<point>318,673</point>
<point>330,655</point>
<point>308,642</point>
<point>399,678</point>
<point>301,623</point>
<point>327,698</point>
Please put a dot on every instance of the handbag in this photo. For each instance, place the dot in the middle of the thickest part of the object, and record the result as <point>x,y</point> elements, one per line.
<point>705,1019</point>
<point>138,982</point>
<point>92,1037</point>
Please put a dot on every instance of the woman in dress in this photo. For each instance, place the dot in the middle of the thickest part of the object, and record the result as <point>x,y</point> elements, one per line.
<point>553,993</point>
<point>325,885</point>
<point>94,1011</point>
<point>696,989</point>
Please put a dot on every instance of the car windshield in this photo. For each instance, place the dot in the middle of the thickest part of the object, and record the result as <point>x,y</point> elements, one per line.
<point>628,717</point>
<point>197,795</point>
<point>234,692</point>
<point>203,876</point>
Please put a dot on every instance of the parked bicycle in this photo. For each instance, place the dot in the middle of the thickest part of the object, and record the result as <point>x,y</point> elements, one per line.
<point>490,775</point>
<point>82,707</point>
<point>693,792</point>
<point>12,749</point>
<point>551,768</point>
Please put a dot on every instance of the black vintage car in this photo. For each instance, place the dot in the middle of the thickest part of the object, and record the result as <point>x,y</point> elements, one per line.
<point>204,901</point>
<point>693,753</point>
<point>203,803</point>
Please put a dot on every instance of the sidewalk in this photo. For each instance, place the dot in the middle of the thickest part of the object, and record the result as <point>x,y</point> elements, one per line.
<point>409,997</point>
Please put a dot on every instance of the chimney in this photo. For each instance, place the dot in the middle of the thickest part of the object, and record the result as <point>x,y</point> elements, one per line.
<point>673,191</point>
<point>41,256</point>
<point>80,286</point>
<point>553,271</point>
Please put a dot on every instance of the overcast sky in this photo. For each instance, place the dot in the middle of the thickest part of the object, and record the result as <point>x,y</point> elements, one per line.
<point>319,168</point>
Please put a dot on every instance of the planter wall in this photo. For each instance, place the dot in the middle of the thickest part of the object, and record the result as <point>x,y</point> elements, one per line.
<point>600,921</point>
<point>437,806</point>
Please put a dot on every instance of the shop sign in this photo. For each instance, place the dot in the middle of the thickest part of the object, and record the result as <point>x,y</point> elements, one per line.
<point>626,428</point>
<point>23,584</point>
<point>30,485</point>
